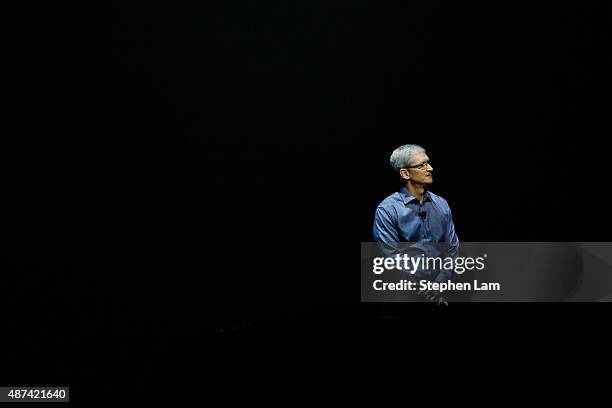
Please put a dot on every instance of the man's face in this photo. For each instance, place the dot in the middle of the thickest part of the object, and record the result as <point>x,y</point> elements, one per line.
<point>420,170</point>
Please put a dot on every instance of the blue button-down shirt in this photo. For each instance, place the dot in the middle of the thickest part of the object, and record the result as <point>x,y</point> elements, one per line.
<point>402,218</point>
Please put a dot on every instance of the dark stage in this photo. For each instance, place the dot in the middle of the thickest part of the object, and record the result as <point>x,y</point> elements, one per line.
<point>185,183</point>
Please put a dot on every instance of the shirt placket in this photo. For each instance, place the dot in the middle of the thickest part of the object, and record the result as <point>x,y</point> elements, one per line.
<point>426,236</point>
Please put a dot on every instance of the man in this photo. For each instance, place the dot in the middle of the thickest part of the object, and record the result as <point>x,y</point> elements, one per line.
<point>415,215</point>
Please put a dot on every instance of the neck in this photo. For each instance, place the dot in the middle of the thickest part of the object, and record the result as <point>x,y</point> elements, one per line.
<point>417,190</point>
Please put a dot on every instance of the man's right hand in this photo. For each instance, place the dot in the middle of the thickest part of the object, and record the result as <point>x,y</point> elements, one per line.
<point>434,296</point>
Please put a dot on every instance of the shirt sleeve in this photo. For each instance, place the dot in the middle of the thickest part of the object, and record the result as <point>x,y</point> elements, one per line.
<point>385,227</point>
<point>451,241</point>
<point>450,236</point>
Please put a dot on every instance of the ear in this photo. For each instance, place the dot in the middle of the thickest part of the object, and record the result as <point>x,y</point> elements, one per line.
<point>405,174</point>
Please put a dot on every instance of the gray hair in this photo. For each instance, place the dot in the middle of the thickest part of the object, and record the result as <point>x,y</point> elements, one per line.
<point>403,155</point>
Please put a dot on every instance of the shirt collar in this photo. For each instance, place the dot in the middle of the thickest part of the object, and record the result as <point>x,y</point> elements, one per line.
<point>408,198</point>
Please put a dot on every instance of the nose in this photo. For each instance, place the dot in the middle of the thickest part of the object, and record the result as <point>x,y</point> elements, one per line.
<point>429,168</point>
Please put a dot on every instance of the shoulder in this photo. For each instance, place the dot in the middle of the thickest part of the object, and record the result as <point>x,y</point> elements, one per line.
<point>439,200</point>
<point>391,201</point>
<point>390,204</point>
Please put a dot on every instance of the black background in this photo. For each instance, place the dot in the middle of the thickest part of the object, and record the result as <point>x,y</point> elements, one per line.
<point>182,178</point>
